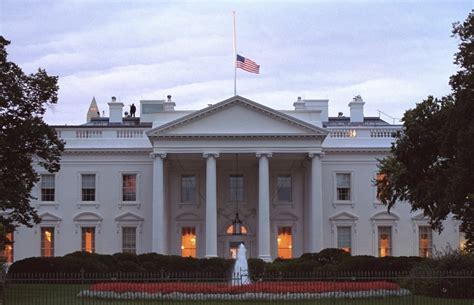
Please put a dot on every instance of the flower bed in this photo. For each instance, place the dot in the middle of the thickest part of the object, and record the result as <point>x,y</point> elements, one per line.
<point>256,291</point>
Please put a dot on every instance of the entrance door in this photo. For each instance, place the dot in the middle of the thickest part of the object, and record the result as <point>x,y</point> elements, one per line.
<point>233,247</point>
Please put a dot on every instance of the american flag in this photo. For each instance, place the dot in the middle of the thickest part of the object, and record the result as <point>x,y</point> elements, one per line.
<point>247,64</point>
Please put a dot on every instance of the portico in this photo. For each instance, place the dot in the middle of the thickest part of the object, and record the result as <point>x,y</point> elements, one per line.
<point>267,142</point>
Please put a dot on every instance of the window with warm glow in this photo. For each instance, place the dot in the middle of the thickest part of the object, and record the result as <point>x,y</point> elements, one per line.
<point>188,188</point>
<point>47,187</point>
<point>236,188</point>
<point>285,242</point>
<point>7,252</point>
<point>47,241</point>
<point>88,187</point>
<point>343,186</point>
<point>284,188</point>
<point>88,239</point>
<point>188,242</point>
<point>344,239</point>
<point>385,241</point>
<point>425,241</point>
<point>129,187</point>
<point>462,240</point>
<point>379,177</point>
<point>129,240</point>
<point>230,229</point>
<point>234,248</point>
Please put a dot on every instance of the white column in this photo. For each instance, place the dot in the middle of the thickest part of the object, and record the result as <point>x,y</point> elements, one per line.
<point>211,205</point>
<point>159,230</point>
<point>315,234</point>
<point>263,207</point>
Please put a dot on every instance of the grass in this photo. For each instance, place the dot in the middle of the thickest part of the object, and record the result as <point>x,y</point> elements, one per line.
<point>45,294</point>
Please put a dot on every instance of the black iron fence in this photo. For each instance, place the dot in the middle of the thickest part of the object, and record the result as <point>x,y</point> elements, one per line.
<point>217,288</point>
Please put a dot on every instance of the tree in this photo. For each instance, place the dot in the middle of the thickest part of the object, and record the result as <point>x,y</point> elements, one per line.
<point>431,165</point>
<point>25,139</point>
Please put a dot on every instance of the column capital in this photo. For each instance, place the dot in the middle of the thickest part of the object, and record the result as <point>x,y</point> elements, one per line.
<point>264,154</point>
<point>161,155</point>
<point>320,155</point>
<point>210,154</point>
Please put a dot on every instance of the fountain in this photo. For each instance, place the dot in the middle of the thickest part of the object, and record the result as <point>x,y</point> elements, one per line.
<point>240,274</point>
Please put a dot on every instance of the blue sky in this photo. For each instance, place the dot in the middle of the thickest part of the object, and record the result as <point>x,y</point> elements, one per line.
<point>393,53</point>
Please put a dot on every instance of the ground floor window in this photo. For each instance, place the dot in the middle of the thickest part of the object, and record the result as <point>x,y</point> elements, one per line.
<point>385,241</point>
<point>285,242</point>
<point>425,235</point>
<point>344,239</point>
<point>188,242</point>
<point>129,240</point>
<point>88,239</point>
<point>7,251</point>
<point>47,241</point>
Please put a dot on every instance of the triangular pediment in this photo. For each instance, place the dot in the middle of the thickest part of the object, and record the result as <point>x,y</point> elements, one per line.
<point>87,216</point>
<point>385,216</point>
<point>237,116</point>
<point>128,216</point>
<point>50,217</point>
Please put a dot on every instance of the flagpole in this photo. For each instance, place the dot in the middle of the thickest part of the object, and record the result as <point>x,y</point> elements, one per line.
<point>235,58</point>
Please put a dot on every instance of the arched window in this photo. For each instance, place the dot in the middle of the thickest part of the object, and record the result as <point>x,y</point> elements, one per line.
<point>230,229</point>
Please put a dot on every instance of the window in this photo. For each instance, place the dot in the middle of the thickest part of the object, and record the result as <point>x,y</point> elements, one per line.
<point>285,242</point>
<point>284,188</point>
<point>88,187</point>
<point>188,188</point>
<point>344,239</point>
<point>129,240</point>
<point>462,239</point>
<point>7,252</point>
<point>47,187</point>
<point>47,241</point>
<point>425,241</point>
<point>236,188</point>
<point>188,242</point>
<point>343,187</point>
<point>129,187</point>
<point>385,241</point>
<point>88,239</point>
<point>379,177</point>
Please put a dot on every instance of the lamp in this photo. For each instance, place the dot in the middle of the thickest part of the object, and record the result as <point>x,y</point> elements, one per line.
<point>236,223</point>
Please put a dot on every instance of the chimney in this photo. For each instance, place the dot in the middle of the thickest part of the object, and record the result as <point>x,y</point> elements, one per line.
<point>169,104</point>
<point>357,109</point>
<point>115,111</point>
<point>299,104</point>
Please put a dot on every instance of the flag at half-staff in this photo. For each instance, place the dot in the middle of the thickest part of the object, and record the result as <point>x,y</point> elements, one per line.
<point>247,64</point>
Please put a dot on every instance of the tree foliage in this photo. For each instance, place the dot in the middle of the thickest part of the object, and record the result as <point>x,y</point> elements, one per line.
<point>431,165</point>
<point>25,139</point>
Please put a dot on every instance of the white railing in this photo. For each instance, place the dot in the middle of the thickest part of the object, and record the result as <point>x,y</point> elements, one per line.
<point>129,133</point>
<point>88,134</point>
<point>343,133</point>
<point>362,132</point>
<point>383,133</point>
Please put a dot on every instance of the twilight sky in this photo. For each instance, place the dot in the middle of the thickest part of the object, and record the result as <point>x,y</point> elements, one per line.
<point>391,53</point>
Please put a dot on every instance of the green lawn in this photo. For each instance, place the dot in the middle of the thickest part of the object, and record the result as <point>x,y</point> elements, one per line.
<point>44,294</point>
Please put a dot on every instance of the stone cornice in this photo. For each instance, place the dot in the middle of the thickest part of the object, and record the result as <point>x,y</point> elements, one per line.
<point>240,136</point>
<point>108,151</point>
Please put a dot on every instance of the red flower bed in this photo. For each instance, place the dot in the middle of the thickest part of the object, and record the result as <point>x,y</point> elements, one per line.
<point>268,287</point>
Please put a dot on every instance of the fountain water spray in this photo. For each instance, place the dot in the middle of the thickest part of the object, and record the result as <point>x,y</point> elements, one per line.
<point>240,275</point>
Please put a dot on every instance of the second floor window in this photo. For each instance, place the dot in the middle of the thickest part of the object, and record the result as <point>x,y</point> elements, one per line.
<point>47,187</point>
<point>188,188</point>
<point>129,187</point>
<point>284,188</point>
<point>88,187</point>
<point>236,188</point>
<point>343,186</point>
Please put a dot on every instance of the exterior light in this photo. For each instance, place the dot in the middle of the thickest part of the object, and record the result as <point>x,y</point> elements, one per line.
<point>237,225</point>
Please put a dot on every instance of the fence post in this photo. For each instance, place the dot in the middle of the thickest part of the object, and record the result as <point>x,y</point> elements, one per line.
<point>82,283</point>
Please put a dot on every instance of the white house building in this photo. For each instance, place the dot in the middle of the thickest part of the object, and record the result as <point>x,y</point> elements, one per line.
<point>172,182</point>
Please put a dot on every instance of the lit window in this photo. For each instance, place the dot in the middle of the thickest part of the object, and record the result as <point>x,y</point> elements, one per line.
<point>230,230</point>
<point>129,240</point>
<point>425,241</point>
<point>236,188</point>
<point>129,187</point>
<point>88,239</point>
<point>88,187</point>
<point>379,177</point>
<point>285,243</point>
<point>188,242</point>
<point>47,241</point>
<point>462,240</point>
<point>188,188</point>
<point>344,239</point>
<point>343,186</point>
<point>385,241</point>
<point>284,188</point>
<point>7,252</point>
<point>47,187</point>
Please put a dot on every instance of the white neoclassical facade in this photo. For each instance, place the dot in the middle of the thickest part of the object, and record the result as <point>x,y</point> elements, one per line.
<point>172,182</point>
